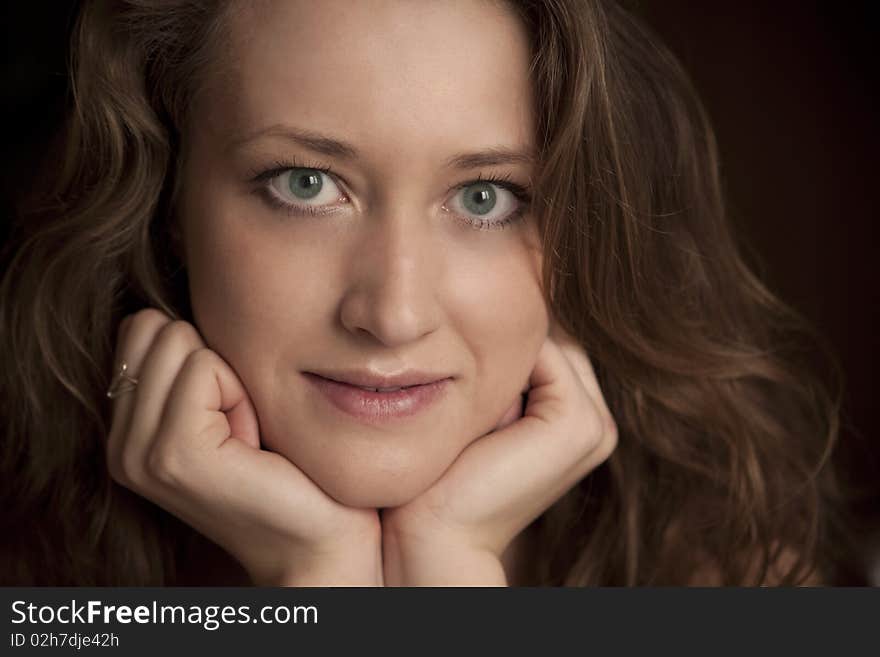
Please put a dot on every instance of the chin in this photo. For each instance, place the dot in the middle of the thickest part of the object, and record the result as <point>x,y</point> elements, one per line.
<point>377,472</point>
<point>379,497</point>
<point>377,488</point>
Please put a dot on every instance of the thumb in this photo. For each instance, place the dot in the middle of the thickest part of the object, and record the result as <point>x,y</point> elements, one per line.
<point>208,384</point>
<point>513,412</point>
<point>243,423</point>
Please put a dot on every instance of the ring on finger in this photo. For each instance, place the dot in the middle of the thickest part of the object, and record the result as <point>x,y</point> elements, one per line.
<point>123,382</point>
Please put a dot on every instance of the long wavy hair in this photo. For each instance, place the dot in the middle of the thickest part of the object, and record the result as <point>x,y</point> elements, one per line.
<point>726,423</point>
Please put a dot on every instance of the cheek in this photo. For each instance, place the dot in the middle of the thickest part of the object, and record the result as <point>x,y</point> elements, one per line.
<point>252,295</point>
<point>504,321</point>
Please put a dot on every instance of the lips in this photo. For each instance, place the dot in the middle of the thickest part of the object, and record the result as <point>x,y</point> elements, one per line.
<point>368,400</point>
<point>374,380</point>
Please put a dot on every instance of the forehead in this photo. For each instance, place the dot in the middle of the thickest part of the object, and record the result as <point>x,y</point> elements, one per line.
<point>444,74</point>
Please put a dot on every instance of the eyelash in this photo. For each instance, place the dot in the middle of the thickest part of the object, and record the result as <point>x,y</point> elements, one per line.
<point>263,177</point>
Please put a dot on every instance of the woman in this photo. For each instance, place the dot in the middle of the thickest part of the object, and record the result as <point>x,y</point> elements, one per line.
<point>332,362</point>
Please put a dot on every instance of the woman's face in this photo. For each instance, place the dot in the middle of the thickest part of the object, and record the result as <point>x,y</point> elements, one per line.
<point>333,223</point>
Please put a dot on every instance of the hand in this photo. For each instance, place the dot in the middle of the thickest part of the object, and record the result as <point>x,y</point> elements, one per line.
<point>456,532</point>
<point>187,438</point>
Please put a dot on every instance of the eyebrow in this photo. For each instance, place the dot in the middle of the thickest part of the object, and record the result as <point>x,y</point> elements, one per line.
<point>326,145</point>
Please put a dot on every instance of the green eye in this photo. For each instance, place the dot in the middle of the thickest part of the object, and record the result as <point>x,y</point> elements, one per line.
<point>488,204</point>
<point>479,198</point>
<point>304,190</point>
<point>305,183</point>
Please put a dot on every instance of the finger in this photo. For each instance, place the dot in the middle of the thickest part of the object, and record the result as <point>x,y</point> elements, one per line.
<point>136,334</point>
<point>569,346</point>
<point>174,342</point>
<point>522,469</point>
<point>606,432</point>
<point>512,414</point>
<point>579,360</point>
<point>552,381</point>
<point>243,423</point>
<point>186,454</point>
<point>204,394</point>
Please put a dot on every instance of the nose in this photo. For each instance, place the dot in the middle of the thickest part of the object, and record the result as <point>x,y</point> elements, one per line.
<point>392,284</point>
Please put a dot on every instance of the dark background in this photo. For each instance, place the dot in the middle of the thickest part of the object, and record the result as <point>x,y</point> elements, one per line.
<point>792,90</point>
<point>791,87</point>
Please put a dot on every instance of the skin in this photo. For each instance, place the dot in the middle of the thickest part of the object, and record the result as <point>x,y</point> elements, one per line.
<point>390,280</point>
<point>223,431</point>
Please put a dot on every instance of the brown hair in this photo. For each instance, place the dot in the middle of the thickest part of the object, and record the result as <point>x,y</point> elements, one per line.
<point>725,427</point>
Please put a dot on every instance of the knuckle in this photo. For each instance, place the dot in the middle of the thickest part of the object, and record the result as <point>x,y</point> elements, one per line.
<point>607,438</point>
<point>164,465</point>
<point>128,469</point>
<point>147,321</point>
<point>609,442</point>
<point>590,429</point>
<point>148,316</point>
<point>200,358</point>
<point>179,333</point>
<point>610,427</point>
<point>581,441</point>
<point>594,435</point>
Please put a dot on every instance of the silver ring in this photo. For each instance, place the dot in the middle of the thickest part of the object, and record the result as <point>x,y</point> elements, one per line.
<point>122,382</point>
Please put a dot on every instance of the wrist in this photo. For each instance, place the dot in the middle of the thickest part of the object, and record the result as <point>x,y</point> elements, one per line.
<point>438,561</point>
<point>362,567</point>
